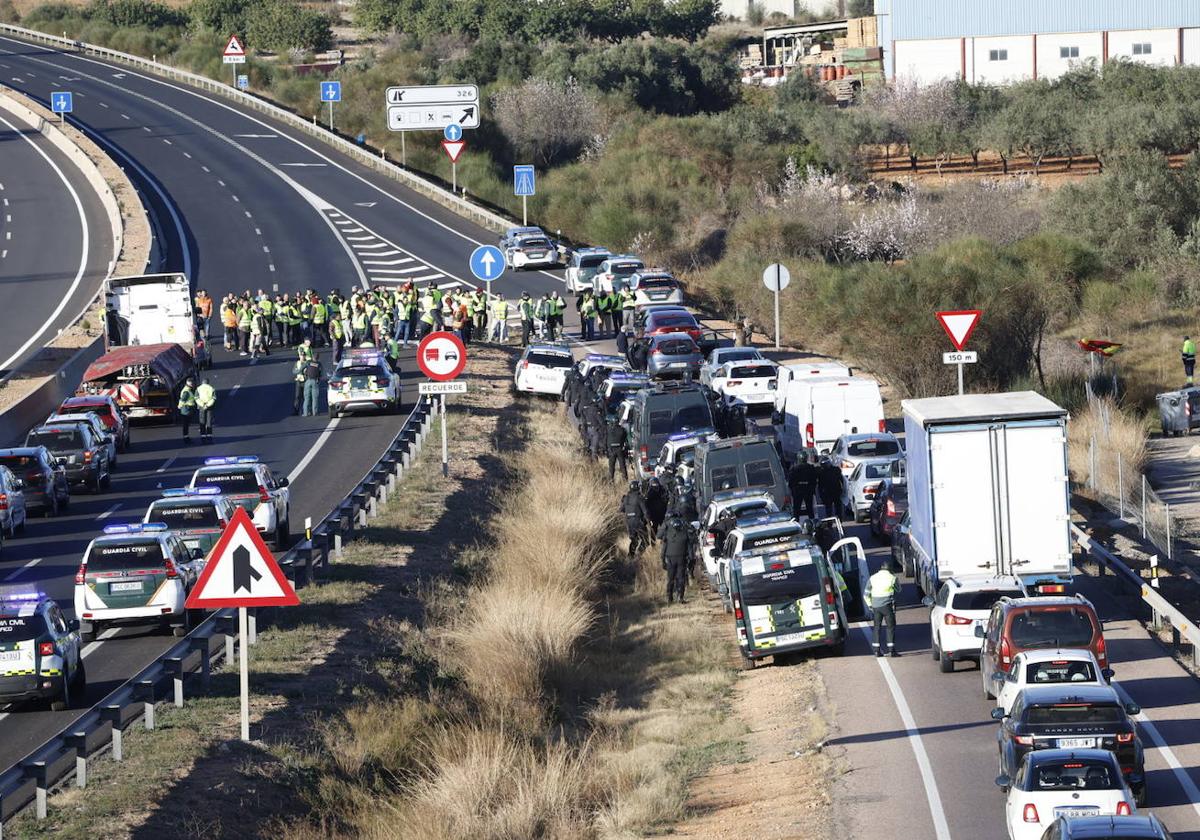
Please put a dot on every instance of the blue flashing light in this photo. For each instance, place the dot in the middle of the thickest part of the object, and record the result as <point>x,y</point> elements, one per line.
<point>22,596</point>
<point>135,528</point>
<point>181,492</point>
<point>231,459</point>
<point>768,519</point>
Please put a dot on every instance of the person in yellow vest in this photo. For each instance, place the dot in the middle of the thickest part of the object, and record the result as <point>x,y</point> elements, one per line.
<point>337,336</point>
<point>555,312</point>
<point>628,303</point>
<point>429,312</point>
<point>1188,354</point>
<point>478,308</point>
<point>229,320</point>
<point>244,317</point>
<point>882,589</point>
<point>587,316</point>
<point>499,319</point>
<point>206,401</point>
<point>187,407</point>
<point>268,310</point>
<point>358,325</point>
<point>406,305</point>
<point>258,333</point>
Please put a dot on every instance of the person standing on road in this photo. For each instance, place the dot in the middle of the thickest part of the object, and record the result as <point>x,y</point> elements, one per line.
<point>499,319</point>
<point>187,407</point>
<point>882,589</point>
<point>636,517</point>
<point>802,481</point>
<point>656,504</point>
<point>829,484</point>
<point>527,309</point>
<point>206,401</point>
<point>1188,354</point>
<point>675,543</point>
<point>204,310</point>
<point>298,377</point>
<point>615,437</point>
<point>312,388</point>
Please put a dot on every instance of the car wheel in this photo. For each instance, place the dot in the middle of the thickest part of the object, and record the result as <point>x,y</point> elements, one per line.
<point>63,701</point>
<point>747,663</point>
<point>934,650</point>
<point>87,632</point>
<point>1141,796</point>
<point>106,482</point>
<point>945,663</point>
<point>80,678</point>
<point>987,684</point>
<point>282,534</point>
<point>24,519</point>
<point>182,629</point>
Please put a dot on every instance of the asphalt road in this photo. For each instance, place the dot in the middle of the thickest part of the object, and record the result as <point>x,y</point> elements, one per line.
<point>55,242</point>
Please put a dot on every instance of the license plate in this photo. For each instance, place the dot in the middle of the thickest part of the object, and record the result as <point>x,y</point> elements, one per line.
<point>678,364</point>
<point>1076,743</point>
<point>789,638</point>
<point>133,586</point>
<point>361,394</point>
<point>10,656</point>
<point>1077,811</point>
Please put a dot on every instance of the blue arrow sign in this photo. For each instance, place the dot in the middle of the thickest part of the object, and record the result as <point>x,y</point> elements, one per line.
<point>524,180</point>
<point>487,262</point>
<point>331,91</point>
<point>243,82</point>
<point>62,102</point>
<point>453,132</point>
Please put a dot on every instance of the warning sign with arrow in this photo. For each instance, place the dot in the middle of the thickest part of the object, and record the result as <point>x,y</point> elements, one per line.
<point>241,572</point>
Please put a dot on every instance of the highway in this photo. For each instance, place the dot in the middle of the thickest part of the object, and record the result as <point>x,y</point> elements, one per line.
<point>55,241</point>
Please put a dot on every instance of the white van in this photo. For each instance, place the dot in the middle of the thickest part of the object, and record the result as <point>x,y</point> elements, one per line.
<point>811,370</point>
<point>817,411</point>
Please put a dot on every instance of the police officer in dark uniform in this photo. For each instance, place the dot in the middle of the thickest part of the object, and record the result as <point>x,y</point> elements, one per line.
<point>656,504</point>
<point>802,481</point>
<point>829,484</point>
<point>592,425</point>
<point>636,517</point>
<point>615,438</point>
<point>675,543</point>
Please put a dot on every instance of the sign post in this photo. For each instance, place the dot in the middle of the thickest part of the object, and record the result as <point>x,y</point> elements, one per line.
<point>62,102</point>
<point>776,278</point>
<point>234,54</point>
<point>331,92</point>
<point>524,185</point>
<point>442,357</point>
<point>959,324</point>
<point>241,573</point>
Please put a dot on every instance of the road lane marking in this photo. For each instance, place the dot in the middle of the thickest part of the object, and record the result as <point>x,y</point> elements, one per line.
<point>1168,755</point>
<point>312,453</point>
<point>167,464</point>
<point>21,570</point>
<point>109,512</point>
<point>90,647</point>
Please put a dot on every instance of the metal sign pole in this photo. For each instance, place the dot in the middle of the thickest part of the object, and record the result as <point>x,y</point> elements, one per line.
<point>454,176</point>
<point>777,279</point>
<point>244,663</point>
<point>331,115</point>
<point>960,379</point>
<point>403,151</point>
<point>525,210</point>
<point>445,445</point>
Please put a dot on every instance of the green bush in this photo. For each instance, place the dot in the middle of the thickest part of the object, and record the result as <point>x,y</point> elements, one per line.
<point>126,13</point>
<point>280,25</point>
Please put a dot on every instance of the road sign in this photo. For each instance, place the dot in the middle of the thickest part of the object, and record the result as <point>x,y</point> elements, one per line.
<point>959,324</point>
<point>62,102</point>
<point>960,357</point>
<point>441,356</point>
<point>433,95</point>
<point>453,132</point>
<point>776,277</point>
<point>454,150</point>
<point>241,572</point>
<point>431,117</point>
<point>487,263</point>
<point>331,91</point>
<point>243,82</point>
<point>524,180</point>
<point>435,388</point>
<point>234,52</point>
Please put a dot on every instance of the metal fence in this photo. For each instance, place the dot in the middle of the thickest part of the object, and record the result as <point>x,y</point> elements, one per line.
<point>189,662</point>
<point>1125,491</point>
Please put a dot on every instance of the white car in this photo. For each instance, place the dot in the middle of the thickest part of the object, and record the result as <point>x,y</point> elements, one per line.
<point>1044,666</point>
<point>858,491</point>
<point>605,360</point>
<point>761,532</point>
<point>1063,783</point>
<point>542,369</point>
<point>614,273</point>
<point>720,356</point>
<point>748,384</point>
<point>737,503</point>
<point>536,251</point>
<point>253,486</point>
<point>12,503</point>
<point>363,381</point>
<point>655,286</point>
<point>677,445</point>
<point>962,604</point>
<point>93,421</point>
<point>849,451</point>
<point>582,268</point>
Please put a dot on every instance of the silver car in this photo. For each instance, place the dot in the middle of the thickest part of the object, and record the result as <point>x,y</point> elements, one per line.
<point>719,356</point>
<point>858,491</point>
<point>849,451</point>
<point>673,354</point>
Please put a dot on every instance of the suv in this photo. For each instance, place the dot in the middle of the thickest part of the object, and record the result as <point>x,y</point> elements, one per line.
<point>748,384</point>
<point>849,450</point>
<point>44,482</point>
<point>542,369</point>
<point>93,422</point>
<point>1018,624</point>
<point>109,412</point>
<point>363,379</point>
<point>582,268</point>
<point>655,286</point>
<point>40,655</point>
<point>962,604</point>
<point>618,387</point>
<point>250,485</point>
<point>198,517</point>
<point>13,512</point>
<point>747,461</point>
<point>755,534</point>
<point>614,273</point>
<point>1136,827</point>
<point>77,449</point>
<point>657,412</point>
<point>713,529</point>
<point>1072,718</point>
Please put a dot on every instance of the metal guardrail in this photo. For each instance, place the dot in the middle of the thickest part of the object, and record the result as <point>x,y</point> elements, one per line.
<point>101,728</point>
<point>461,206</point>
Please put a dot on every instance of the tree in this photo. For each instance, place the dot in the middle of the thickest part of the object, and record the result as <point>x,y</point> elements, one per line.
<point>547,121</point>
<point>860,8</point>
<point>283,25</point>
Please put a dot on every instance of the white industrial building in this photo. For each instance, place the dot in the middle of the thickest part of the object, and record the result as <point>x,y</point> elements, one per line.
<point>1001,41</point>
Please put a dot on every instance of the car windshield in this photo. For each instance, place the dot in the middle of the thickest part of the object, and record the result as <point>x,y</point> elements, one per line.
<point>360,370</point>
<point>103,410</point>
<point>550,360</point>
<point>230,481</point>
<point>64,439</point>
<point>1040,627</point>
<point>624,269</point>
<point>185,515</point>
<point>592,262</point>
<point>982,600</point>
<point>1061,671</point>
<point>873,448</point>
<point>1074,774</point>
<point>533,242</point>
<point>656,283</point>
<point>676,347</point>
<point>19,462</point>
<point>673,319</point>
<point>876,471</point>
<point>1065,713</point>
<point>752,371</point>
<point>16,628</point>
<point>116,557</point>
<point>758,473</point>
<point>781,586</point>
<point>737,355</point>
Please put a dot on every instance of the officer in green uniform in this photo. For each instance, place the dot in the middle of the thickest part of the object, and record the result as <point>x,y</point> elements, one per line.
<point>187,407</point>
<point>1188,354</point>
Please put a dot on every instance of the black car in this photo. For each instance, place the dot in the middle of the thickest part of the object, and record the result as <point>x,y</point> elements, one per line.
<point>887,509</point>
<point>1066,717</point>
<point>44,482</point>
<point>79,451</point>
<point>1134,827</point>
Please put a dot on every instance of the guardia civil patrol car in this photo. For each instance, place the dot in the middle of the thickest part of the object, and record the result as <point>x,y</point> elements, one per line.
<point>249,484</point>
<point>363,381</point>
<point>135,574</point>
<point>197,516</point>
<point>40,656</point>
<point>785,600</point>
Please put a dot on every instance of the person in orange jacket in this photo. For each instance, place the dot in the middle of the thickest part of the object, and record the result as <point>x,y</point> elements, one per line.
<point>204,310</point>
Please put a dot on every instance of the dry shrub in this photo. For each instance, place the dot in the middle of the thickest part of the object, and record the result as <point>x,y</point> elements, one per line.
<point>1117,433</point>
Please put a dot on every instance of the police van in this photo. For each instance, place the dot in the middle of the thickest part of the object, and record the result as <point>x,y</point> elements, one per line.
<point>786,599</point>
<point>757,532</point>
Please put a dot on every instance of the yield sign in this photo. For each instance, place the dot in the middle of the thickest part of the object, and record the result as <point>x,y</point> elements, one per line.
<point>241,572</point>
<point>454,148</point>
<point>234,47</point>
<point>959,325</point>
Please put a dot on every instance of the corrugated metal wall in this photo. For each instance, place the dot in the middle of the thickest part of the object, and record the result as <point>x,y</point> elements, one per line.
<point>913,19</point>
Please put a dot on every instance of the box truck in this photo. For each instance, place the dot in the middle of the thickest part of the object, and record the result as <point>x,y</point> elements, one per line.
<point>153,309</point>
<point>987,489</point>
<point>816,411</point>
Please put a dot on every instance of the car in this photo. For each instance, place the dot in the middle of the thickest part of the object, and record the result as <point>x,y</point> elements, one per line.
<point>97,426</point>
<point>44,482</point>
<point>858,491</point>
<point>618,387</point>
<point>1047,621</point>
<point>75,448</point>
<point>1069,717</point>
<point>1136,827</point>
<point>747,384</point>
<point>655,286</point>
<point>962,604</point>
<point>531,251</point>
<point>251,485</point>
<point>678,445</point>
<point>652,414</point>
<point>105,405</point>
<point>614,273</point>
<point>582,267</point>
<point>13,513</point>
<point>663,322</point>
<point>1063,783</point>
<point>720,517</point>
<point>542,369</point>
<point>756,533</point>
<point>1050,667</point>
<point>611,361</point>
<point>135,574</point>
<point>512,234</point>
<point>198,517</point>
<point>40,651</point>
<point>364,380</point>
<point>887,509</point>
<point>643,312</point>
<point>673,354</point>
<point>849,451</point>
<point>718,357</point>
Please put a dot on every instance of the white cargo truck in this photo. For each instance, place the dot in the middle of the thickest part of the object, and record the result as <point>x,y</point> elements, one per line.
<point>153,309</point>
<point>816,411</point>
<point>988,490</point>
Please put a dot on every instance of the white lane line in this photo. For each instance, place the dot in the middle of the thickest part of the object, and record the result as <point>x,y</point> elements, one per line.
<point>238,386</point>
<point>271,267</point>
<point>91,647</point>
<point>6,202</point>
<point>186,155</point>
<point>124,116</point>
<point>940,826</point>
<point>205,168</point>
<point>167,464</point>
<point>266,250</point>
<point>1160,744</point>
<point>372,247</point>
<point>402,261</point>
<point>235,198</point>
<point>21,570</point>
<point>258,231</point>
<point>247,212</point>
<point>85,251</point>
<point>256,136</point>
<point>312,453</point>
<point>392,253</point>
<point>374,271</point>
<point>103,104</point>
<point>366,238</point>
<point>146,129</point>
<point>301,164</point>
<point>352,229</point>
<point>168,142</point>
<point>8,217</point>
<point>109,512</point>
<point>453,285</point>
<point>219,181</point>
<point>4,254</point>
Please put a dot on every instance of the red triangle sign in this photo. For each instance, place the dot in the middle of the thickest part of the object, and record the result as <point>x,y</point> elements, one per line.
<point>959,324</point>
<point>454,148</point>
<point>234,47</point>
<point>241,572</point>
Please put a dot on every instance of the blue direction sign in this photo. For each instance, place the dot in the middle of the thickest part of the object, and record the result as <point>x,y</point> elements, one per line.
<point>243,82</point>
<point>452,132</point>
<point>331,91</point>
<point>62,102</point>
<point>487,262</point>
<point>524,180</point>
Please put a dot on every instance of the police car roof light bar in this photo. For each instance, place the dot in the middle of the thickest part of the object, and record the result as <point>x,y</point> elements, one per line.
<point>135,528</point>
<point>231,459</point>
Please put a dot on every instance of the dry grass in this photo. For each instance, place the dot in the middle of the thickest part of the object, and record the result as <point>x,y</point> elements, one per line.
<point>1119,435</point>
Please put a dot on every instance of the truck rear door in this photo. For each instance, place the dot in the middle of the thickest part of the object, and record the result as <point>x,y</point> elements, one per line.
<point>1038,529</point>
<point>964,501</point>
